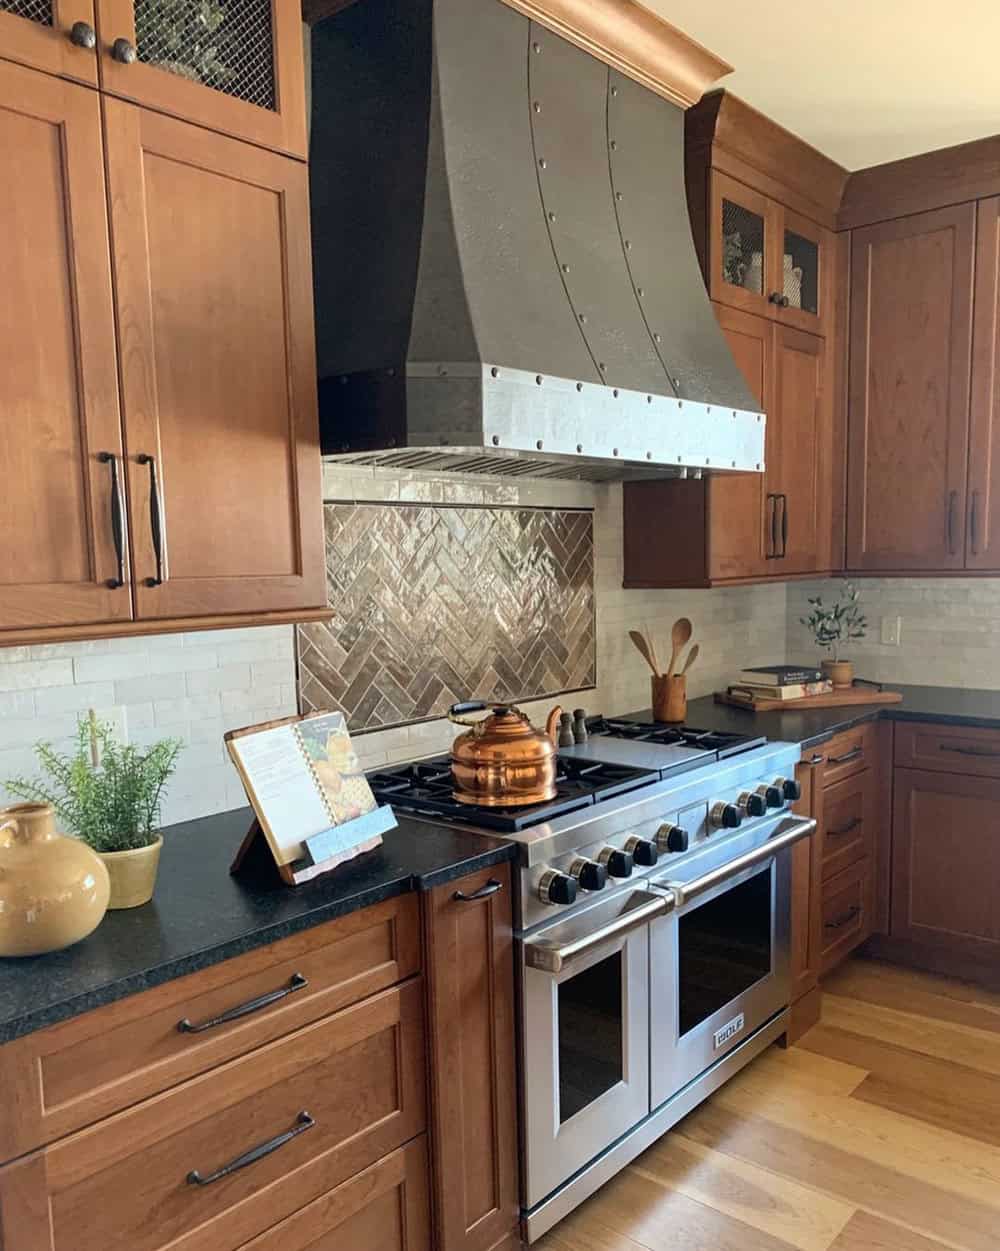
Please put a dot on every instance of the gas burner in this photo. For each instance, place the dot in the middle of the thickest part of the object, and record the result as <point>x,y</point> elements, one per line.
<point>426,788</point>
<point>639,730</point>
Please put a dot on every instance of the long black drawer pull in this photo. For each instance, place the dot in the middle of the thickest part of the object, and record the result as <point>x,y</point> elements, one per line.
<point>845,829</point>
<point>295,982</point>
<point>848,916</point>
<point>773,527</point>
<point>984,752</point>
<point>157,521</point>
<point>784,526</point>
<point>488,888</point>
<point>854,754</point>
<point>302,1122</point>
<point>117,518</point>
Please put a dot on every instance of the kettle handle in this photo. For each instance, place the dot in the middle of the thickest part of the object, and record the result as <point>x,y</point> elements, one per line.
<point>476,705</point>
<point>552,725</point>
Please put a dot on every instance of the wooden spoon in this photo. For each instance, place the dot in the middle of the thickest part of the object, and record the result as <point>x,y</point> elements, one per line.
<point>691,658</point>
<point>642,647</point>
<point>680,636</point>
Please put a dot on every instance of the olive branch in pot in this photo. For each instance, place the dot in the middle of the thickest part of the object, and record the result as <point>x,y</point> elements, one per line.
<point>834,626</point>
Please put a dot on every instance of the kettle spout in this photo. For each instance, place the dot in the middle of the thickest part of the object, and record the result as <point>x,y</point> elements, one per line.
<point>552,725</point>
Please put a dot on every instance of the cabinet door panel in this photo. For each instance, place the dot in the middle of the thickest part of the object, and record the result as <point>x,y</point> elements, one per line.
<point>213,284</point>
<point>983,522</point>
<point>37,32</point>
<point>946,863</point>
<point>806,263</point>
<point>745,249</point>
<point>246,80</point>
<point>796,430</point>
<point>736,501</point>
<point>911,309</point>
<point>60,391</point>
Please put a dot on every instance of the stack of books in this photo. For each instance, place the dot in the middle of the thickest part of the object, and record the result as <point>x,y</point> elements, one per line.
<point>784,682</point>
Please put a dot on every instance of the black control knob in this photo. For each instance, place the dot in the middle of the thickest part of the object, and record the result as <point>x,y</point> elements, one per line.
<point>557,888</point>
<point>617,863</point>
<point>727,817</point>
<point>791,789</point>
<point>673,838</point>
<point>643,851</point>
<point>753,804</point>
<point>590,874</point>
<point>773,795</point>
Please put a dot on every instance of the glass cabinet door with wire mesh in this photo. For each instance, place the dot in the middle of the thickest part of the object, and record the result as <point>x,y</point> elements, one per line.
<point>234,66</point>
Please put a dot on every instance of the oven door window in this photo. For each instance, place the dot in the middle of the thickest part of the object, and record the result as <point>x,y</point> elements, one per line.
<point>591,1035</point>
<point>725,947</point>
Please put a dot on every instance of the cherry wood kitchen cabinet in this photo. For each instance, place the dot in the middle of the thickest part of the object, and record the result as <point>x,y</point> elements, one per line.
<point>57,36</point>
<point>983,510</point>
<point>61,509</point>
<point>470,977</point>
<point>911,326</point>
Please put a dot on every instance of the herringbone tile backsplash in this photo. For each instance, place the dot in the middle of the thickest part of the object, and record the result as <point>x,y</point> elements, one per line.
<point>435,604</point>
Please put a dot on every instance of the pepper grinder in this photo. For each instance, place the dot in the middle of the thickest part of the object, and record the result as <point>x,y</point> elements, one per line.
<point>566,738</point>
<point>580,725</point>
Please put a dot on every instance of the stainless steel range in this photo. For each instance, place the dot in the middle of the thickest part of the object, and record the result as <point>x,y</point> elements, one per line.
<point>652,914</point>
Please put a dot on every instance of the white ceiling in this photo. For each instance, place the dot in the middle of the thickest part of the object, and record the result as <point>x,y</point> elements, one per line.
<point>865,81</point>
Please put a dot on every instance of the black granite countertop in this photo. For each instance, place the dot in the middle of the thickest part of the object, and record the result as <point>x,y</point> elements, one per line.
<point>201,915</point>
<point>944,704</point>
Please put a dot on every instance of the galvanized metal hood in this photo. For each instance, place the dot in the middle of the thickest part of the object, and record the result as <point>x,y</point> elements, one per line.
<point>505,276</point>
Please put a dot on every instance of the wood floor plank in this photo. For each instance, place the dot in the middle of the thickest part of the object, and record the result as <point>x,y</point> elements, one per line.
<point>585,1233</point>
<point>811,1070</point>
<point>936,1091</point>
<point>742,1190</point>
<point>959,1044</point>
<point>831,1169</point>
<point>865,1232</point>
<point>911,990</point>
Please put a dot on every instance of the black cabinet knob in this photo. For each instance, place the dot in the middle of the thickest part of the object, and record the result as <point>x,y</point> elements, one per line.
<point>590,874</point>
<point>83,35</point>
<point>123,52</point>
<point>791,789</point>
<point>643,851</point>
<point>617,863</point>
<point>557,888</point>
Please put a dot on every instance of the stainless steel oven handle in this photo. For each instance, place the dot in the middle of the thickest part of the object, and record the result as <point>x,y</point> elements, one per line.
<point>684,892</point>
<point>554,957</point>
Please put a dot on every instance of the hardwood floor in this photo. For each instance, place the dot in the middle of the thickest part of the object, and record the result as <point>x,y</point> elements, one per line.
<point>880,1131</point>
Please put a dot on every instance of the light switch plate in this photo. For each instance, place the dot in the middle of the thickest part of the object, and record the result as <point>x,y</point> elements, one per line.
<point>892,631</point>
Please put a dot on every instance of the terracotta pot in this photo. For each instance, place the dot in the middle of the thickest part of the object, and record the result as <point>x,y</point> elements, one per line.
<point>133,874</point>
<point>53,890</point>
<point>840,672</point>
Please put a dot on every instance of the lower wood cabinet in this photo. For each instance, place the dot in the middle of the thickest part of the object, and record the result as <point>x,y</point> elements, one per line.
<point>470,976</point>
<point>847,915</point>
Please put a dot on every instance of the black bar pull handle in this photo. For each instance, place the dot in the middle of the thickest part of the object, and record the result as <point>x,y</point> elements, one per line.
<point>984,752</point>
<point>302,1122</point>
<point>845,829</point>
<point>784,526</point>
<point>157,521</point>
<point>772,503</point>
<point>295,982</point>
<point>841,921</point>
<point>117,518</point>
<point>854,754</point>
<point>492,887</point>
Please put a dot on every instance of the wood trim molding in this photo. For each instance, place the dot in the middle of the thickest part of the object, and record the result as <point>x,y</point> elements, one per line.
<point>622,33</point>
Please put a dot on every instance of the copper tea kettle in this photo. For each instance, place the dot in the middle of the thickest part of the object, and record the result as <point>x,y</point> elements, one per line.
<point>503,761</point>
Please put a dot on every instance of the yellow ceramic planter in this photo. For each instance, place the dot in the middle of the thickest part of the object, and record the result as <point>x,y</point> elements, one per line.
<point>53,890</point>
<point>133,874</point>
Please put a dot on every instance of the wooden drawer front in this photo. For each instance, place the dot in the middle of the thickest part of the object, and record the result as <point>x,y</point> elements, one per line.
<point>848,822</point>
<point>385,1208</point>
<point>848,753</point>
<point>948,749</point>
<point>125,1184</point>
<point>847,913</point>
<point>92,1066</point>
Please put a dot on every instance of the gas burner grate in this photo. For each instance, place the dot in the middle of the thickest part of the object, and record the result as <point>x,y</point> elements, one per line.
<point>639,731</point>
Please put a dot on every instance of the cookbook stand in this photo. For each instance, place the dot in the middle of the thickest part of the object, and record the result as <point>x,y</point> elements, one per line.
<point>323,852</point>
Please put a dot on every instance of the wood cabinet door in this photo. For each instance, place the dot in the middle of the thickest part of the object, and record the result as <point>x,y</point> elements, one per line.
<point>38,33</point>
<point>946,863</point>
<point>797,525</point>
<point>983,514</point>
<point>737,501</point>
<point>245,77</point>
<point>473,1089</point>
<point>213,284</point>
<point>804,297</point>
<point>911,311</point>
<point>744,248</point>
<point>58,513</point>
<point>806,873</point>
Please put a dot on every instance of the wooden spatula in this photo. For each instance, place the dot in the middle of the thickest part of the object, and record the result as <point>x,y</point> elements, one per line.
<point>643,648</point>
<point>680,636</point>
<point>692,656</point>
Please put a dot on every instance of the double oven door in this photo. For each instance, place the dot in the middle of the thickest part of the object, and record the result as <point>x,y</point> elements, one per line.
<point>631,1000</point>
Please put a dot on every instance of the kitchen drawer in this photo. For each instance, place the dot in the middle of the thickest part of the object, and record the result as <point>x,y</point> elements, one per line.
<point>849,818</point>
<point>848,901</point>
<point>848,753</point>
<point>948,749</point>
<point>94,1065</point>
<point>385,1208</point>
<point>126,1184</point>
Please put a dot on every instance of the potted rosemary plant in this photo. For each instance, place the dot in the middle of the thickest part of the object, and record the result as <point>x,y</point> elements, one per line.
<point>108,794</point>
<point>834,626</point>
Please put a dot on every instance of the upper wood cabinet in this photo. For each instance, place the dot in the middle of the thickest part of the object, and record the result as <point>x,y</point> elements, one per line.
<point>983,512</point>
<point>236,68</point>
<point>61,508</point>
<point>53,35</point>
<point>911,323</point>
<point>213,281</point>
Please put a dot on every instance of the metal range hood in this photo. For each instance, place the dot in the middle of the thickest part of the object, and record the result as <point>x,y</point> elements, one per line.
<point>505,276</point>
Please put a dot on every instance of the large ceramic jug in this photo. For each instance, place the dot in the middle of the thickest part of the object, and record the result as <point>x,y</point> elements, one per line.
<point>53,890</point>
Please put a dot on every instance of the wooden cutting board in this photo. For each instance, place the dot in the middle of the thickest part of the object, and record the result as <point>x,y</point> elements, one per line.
<point>836,699</point>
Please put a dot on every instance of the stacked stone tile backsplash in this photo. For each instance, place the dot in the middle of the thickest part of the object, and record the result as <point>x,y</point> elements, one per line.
<point>950,630</point>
